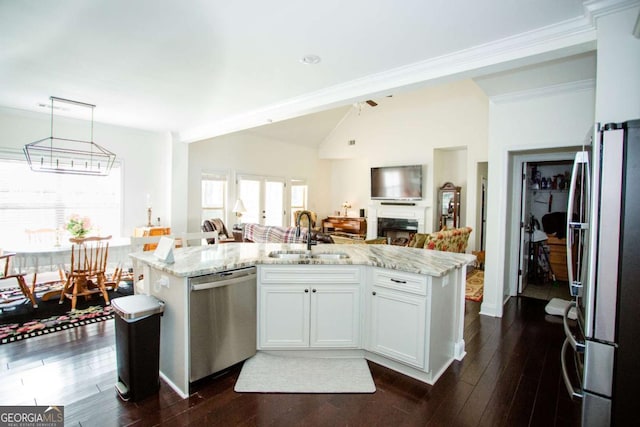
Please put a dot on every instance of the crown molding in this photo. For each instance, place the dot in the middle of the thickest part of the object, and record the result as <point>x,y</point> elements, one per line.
<point>594,9</point>
<point>568,37</point>
<point>571,87</point>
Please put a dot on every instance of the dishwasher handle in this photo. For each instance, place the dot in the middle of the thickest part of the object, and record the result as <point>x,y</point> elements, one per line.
<point>219,283</point>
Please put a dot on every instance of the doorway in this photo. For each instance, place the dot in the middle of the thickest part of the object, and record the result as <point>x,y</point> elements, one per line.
<point>263,198</point>
<point>481,211</point>
<point>538,222</point>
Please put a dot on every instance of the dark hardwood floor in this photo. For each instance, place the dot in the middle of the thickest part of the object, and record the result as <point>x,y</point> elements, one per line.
<point>510,377</point>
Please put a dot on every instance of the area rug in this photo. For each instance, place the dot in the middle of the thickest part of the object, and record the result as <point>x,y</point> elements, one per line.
<point>266,373</point>
<point>72,319</point>
<point>474,289</point>
<point>14,294</point>
<point>20,321</point>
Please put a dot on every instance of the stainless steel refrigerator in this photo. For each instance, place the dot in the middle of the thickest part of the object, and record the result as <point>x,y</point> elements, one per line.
<point>601,353</point>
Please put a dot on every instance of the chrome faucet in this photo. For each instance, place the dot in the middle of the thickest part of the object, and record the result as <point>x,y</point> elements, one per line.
<point>308,215</point>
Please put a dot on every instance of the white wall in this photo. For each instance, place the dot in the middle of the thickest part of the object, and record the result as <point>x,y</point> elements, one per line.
<point>178,175</point>
<point>406,129</point>
<point>144,156</point>
<point>547,120</point>
<point>618,93</point>
<point>248,153</point>
<point>554,122</point>
<point>346,186</point>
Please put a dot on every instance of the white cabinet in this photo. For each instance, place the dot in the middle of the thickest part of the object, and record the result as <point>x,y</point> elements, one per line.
<point>284,316</point>
<point>309,306</point>
<point>335,316</point>
<point>398,319</point>
<point>404,321</point>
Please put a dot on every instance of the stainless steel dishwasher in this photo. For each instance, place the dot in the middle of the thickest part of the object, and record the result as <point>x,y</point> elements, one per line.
<point>222,320</point>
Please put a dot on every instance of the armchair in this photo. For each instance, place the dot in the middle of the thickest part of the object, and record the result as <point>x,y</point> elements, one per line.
<point>216,224</point>
<point>449,240</point>
<point>305,223</point>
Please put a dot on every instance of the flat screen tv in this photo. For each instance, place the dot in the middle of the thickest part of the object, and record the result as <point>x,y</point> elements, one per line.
<point>396,183</point>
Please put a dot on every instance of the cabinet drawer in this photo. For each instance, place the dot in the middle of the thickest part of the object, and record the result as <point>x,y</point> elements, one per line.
<point>406,282</point>
<point>309,273</point>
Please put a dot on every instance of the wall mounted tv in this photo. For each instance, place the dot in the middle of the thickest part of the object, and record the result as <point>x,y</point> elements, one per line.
<point>396,183</point>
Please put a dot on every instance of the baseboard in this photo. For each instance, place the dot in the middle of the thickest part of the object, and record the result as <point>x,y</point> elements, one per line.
<point>488,309</point>
<point>173,386</point>
<point>458,350</point>
<point>401,368</point>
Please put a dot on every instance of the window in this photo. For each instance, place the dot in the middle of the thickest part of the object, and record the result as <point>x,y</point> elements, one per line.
<point>31,201</point>
<point>298,197</point>
<point>214,196</point>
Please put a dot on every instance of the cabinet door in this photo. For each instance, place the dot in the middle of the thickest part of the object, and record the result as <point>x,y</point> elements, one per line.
<point>335,316</point>
<point>284,316</point>
<point>397,328</point>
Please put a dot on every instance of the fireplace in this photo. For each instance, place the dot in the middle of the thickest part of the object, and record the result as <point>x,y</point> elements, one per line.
<point>398,231</point>
<point>395,222</point>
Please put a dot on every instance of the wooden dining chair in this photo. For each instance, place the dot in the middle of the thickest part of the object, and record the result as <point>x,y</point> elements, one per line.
<point>8,273</point>
<point>198,238</point>
<point>87,269</point>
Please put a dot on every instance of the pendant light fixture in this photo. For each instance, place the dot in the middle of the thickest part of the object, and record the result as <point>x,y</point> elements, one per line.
<point>72,156</point>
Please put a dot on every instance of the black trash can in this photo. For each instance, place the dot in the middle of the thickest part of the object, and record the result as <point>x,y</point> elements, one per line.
<point>137,345</point>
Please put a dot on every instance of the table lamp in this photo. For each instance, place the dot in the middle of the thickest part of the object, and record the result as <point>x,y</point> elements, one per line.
<point>239,209</point>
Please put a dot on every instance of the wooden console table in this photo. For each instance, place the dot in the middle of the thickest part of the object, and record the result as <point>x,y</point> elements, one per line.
<point>346,225</point>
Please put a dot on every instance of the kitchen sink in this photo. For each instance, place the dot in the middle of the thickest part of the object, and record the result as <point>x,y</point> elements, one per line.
<point>330,255</point>
<point>307,255</point>
<point>288,254</point>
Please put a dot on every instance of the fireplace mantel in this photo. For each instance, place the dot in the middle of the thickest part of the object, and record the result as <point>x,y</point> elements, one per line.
<point>417,213</point>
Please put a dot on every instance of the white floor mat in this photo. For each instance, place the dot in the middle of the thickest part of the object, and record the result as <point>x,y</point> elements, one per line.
<point>266,373</point>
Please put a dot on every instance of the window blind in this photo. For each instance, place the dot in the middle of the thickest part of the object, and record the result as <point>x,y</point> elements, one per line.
<point>35,201</point>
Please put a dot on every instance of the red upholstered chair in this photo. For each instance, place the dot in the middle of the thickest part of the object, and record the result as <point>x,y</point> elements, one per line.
<point>449,240</point>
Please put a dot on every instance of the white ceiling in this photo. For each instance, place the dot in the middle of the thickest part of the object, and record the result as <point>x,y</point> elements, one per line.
<point>201,68</point>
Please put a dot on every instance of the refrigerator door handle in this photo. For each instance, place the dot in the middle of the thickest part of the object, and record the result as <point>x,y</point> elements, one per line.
<point>574,392</point>
<point>582,158</point>
<point>577,346</point>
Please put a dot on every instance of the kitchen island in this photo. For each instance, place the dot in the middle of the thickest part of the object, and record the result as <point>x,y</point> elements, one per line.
<point>400,307</point>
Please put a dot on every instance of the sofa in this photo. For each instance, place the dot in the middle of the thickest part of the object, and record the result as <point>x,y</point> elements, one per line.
<point>273,234</point>
<point>270,234</point>
<point>448,240</point>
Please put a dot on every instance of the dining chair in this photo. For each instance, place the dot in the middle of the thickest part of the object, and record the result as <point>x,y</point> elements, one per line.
<point>148,243</point>
<point>199,238</point>
<point>112,280</point>
<point>87,269</point>
<point>42,236</point>
<point>8,273</point>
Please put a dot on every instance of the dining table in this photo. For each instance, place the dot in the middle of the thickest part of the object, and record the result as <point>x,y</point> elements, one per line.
<point>35,259</point>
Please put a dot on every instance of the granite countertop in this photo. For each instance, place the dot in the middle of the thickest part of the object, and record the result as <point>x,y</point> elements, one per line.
<point>200,260</point>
